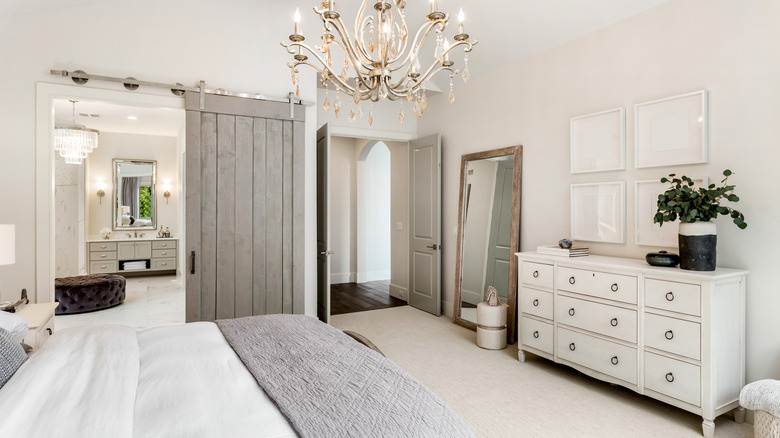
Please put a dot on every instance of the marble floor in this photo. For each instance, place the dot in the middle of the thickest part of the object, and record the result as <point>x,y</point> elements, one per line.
<point>149,301</point>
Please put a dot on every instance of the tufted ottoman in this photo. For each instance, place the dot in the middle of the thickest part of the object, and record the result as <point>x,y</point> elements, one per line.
<point>87,293</point>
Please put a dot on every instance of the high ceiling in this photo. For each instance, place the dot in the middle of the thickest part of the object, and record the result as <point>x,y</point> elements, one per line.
<point>114,118</point>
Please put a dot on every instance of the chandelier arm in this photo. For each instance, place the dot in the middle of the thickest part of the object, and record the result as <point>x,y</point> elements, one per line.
<point>405,41</point>
<point>325,67</point>
<point>419,39</point>
<point>355,55</point>
<point>358,18</point>
<point>361,44</point>
<point>331,75</point>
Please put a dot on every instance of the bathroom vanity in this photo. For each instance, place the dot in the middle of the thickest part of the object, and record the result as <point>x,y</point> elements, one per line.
<point>132,255</point>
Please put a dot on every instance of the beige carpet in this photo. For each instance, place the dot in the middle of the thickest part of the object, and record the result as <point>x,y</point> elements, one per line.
<point>498,396</point>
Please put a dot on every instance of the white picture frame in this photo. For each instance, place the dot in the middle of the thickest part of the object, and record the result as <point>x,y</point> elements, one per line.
<point>672,131</point>
<point>598,212</point>
<point>598,141</point>
<point>649,233</point>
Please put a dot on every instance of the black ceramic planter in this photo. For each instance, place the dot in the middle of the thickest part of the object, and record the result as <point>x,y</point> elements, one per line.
<point>697,242</point>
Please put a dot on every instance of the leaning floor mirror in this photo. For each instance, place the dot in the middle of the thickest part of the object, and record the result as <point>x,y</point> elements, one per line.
<point>488,233</point>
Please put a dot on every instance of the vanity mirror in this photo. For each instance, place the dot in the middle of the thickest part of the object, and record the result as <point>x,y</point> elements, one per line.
<point>135,197</point>
<point>488,232</point>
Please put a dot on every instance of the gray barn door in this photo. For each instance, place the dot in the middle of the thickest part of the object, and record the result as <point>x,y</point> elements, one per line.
<point>499,239</point>
<point>244,208</point>
<point>425,223</point>
<point>323,224</point>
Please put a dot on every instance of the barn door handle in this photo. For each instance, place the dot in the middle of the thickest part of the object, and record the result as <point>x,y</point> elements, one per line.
<point>192,262</point>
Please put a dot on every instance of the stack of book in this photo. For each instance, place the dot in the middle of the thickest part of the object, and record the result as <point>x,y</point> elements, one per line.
<point>556,250</point>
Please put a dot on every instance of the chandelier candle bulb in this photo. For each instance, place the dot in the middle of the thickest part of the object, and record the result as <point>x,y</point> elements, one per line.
<point>434,5</point>
<point>460,21</point>
<point>297,21</point>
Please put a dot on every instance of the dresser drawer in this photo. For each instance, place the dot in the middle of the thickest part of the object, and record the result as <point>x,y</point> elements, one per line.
<point>102,246</point>
<point>674,378</point>
<point>607,320</point>
<point>598,284</point>
<point>537,302</point>
<point>537,274</point>
<point>163,244</point>
<point>673,296</point>
<point>163,253</point>
<point>597,354</point>
<point>98,256</point>
<point>536,334</point>
<point>163,264</point>
<point>673,335</point>
<point>102,267</point>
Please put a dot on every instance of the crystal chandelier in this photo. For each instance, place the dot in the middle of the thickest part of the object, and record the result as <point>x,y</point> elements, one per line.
<point>75,142</point>
<point>380,60</point>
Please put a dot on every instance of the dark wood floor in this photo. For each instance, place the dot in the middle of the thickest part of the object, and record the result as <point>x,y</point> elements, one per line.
<point>359,297</point>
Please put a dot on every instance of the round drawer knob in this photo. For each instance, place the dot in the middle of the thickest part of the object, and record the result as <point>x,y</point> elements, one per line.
<point>613,322</point>
<point>614,360</point>
<point>571,311</point>
<point>669,296</point>
<point>536,334</point>
<point>102,256</point>
<point>669,335</point>
<point>571,280</point>
<point>536,274</point>
<point>103,247</point>
<point>669,377</point>
<point>536,302</point>
<point>164,264</point>
<point>571,346</point>
<point>614,287</point>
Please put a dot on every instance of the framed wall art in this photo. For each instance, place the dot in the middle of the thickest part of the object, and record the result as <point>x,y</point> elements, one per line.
<point>671,131</point>
<point>648,232</point>
<point>598,141</point>
<point>598,212</point>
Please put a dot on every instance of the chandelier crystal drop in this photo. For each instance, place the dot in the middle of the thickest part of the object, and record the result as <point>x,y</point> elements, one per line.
<point>75,142</point>
<point>381,53</point>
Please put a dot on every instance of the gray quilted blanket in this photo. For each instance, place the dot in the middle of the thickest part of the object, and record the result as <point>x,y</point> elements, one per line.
<point>329,385</point>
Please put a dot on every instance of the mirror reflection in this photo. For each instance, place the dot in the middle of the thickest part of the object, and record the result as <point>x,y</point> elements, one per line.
<point>134,194</point>
<point>486,231</point>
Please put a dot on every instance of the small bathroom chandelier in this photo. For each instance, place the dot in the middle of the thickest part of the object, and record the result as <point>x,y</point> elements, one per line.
<point>75,142</point>
<point>381,56</point>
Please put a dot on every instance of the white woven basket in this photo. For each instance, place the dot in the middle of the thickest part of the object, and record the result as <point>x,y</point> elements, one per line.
<point>766,425</point>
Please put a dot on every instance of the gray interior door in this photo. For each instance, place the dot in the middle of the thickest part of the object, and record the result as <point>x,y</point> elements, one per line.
<point>244,208</point>
<point>323,224</point>
<point>499,239</point>
<point>425,224</point>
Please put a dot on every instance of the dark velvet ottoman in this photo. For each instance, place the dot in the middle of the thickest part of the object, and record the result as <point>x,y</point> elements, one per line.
<point>87,293</point>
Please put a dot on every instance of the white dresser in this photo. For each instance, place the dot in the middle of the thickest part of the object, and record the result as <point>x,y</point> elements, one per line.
<point>677,336</point>
<point>40,322</point>
<point>110,256</point>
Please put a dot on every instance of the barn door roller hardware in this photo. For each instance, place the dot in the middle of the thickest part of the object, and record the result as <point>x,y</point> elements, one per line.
<point>131,84</point>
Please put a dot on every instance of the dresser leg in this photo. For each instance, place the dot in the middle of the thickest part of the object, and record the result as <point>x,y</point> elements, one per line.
<point>739,415</point>
<point>708,428</point>
<point>521,355</point>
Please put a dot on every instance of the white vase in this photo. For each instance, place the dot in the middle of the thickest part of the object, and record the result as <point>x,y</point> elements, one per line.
<point>697,243</point>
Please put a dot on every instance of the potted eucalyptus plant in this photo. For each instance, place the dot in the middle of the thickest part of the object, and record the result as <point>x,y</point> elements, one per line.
<point>695,207</point>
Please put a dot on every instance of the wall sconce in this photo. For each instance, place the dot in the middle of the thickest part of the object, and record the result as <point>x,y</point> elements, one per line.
<point>167,191</point>
<point>101,186</point>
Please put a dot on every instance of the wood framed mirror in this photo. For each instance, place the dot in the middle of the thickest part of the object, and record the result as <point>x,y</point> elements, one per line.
<point>488,233</point>
<point>134,195</point>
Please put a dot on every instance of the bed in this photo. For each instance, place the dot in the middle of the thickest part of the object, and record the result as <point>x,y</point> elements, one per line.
<point>270,376</point>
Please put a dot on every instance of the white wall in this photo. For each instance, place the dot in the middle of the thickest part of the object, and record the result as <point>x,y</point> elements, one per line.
<point>138,147</point>
<point>374,211</point>
<point>726,47</point>
<point>343,210</point>
<point>232,44</point>
<point>69,215</point>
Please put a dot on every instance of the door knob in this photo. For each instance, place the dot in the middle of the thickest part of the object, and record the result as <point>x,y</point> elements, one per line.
<point>433,247</point>
<point>326,253</point>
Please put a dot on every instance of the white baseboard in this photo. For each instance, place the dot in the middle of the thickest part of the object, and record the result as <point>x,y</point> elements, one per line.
<point>344,277</point>
<point>399,292</point>
<point>363,277</point>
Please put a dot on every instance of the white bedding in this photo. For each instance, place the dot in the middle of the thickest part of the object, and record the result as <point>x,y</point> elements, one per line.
<point>112,381</point>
